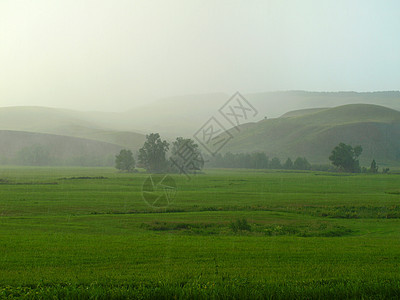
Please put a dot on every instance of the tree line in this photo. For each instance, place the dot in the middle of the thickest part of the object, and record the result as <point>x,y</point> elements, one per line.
<point>40,155</point>
<point>258,160</point>
<point>186,157</point>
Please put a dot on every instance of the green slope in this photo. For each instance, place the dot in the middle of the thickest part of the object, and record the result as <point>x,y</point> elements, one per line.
<point>314,134</point>
<point>301,112</point>
<point>176,116</point>
<point>274,104</point>
<point>62,150</point>
<point>65,122</point>
<point>185,115</point>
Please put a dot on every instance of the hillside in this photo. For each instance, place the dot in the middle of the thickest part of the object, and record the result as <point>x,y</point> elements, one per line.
<point>301,112</point>
<point>18,147</point>
<point>304,129</point>
<point>184,115</point>
<point>314,134</point>
<point>175,116</point>
<point>275,104</point>
<point>67,123</point>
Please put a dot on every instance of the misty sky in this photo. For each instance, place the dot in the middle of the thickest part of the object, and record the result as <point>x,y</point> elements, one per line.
<point>114,55</point>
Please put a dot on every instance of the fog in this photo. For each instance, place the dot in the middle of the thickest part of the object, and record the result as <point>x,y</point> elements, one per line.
<point>117,55</point>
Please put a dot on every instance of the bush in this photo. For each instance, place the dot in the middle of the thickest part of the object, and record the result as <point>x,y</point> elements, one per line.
<point>240,225</point>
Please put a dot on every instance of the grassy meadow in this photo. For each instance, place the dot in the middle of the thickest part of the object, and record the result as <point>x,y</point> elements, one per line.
<point>88,233</point>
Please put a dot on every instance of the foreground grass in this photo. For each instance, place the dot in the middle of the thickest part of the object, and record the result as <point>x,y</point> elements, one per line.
<point>310,235</point>
<point>236,288</point>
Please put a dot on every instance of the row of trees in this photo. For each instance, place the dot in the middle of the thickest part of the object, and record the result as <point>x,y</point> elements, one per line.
<point>41,155</point>
<point>186,157</point>
<point>258,160</point>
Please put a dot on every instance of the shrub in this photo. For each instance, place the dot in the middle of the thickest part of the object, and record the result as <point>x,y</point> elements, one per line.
<point>240,225</point>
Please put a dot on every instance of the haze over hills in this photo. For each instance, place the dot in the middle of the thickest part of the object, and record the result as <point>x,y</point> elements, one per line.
<point>184,115</point>
<point>65,123</point>
<point>309,127</point>
<point>18,147</point>
<point>314,133</point>
<point>61,137</point>
<point>176,116</point>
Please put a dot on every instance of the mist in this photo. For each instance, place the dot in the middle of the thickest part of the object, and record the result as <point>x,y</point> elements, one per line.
<point>115,56</point>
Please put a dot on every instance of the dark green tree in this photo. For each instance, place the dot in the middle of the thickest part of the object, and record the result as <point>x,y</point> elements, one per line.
<point>301,163</point>
<point>229,160</point>
<point>186,156</point>
<point>275,163</point>
<point>152,155</point>
<point>35,155</point>
<point>345,157</point>
<point>374,167</point>
<point>243,160</point>
<point>124,161</point>
<point>258,160</point>
<point>288,165</point>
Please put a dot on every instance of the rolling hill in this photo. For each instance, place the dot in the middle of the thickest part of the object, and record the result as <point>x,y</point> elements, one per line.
<point>19,147</point>
<point>174,116</point>
<point>64,122</point>
<point>184,115</point>
<point>303,128</point>
<point>314,133</point>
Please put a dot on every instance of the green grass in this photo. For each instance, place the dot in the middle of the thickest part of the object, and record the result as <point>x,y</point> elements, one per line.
<point>308,235</point>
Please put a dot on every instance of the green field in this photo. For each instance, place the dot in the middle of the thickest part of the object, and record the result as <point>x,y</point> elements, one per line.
<point>88,233</point>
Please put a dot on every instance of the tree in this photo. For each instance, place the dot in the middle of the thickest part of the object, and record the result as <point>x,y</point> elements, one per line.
<point>345,157</point>
<point>186,156</point>
<point>258,160</point>
<point>374,168</point>
<point>275,163</point>
<point>229,160</point>
<point>35,155</point>
<point>301,163</point>
<point>152,154</point>
<point>288,164</point>
<point>124,161</point>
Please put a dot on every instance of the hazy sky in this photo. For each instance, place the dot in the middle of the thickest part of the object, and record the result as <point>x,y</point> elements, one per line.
<point>115,54</point>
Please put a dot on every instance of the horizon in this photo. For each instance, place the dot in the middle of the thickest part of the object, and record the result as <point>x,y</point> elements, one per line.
<point>201,94</point>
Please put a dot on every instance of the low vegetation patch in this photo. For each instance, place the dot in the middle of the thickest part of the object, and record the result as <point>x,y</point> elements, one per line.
<point>83,177</point>
<point>194,228</point>
<point>240,225</point>
<point>8,182</point>
<point>353,212</point>
<point>397,192</point>
<point>243,226</point>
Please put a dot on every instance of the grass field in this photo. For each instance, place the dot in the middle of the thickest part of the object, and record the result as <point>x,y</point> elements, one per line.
<point>88,233</point>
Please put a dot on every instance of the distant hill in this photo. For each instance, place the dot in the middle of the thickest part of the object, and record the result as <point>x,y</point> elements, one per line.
<point>175,116</point>
<point>295,124</point>
<point>66,122</point>
<point>275,104</point>
<point>301,112</point>
<point>314,133</point>
<point>17,146</point>
<point>184,115</point>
